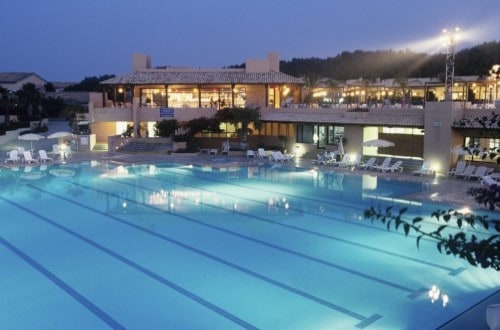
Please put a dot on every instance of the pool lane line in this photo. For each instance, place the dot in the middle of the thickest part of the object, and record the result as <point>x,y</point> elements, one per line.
<point>343,204</point>
<point>133,265</point>
<point>451,271</point>
<point>250,272</point>
<point>64,286</point>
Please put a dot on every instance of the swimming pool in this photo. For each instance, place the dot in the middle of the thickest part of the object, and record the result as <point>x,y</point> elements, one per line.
<point>97,246</point>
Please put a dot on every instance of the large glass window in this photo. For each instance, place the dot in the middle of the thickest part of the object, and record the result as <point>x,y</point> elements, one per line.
<point>185,96</point>
<point>319,134</point>
<point>153,97</point>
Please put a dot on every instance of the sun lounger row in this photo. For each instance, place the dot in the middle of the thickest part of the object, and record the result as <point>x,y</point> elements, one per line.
<point>470,171</point>
<point>14,157</point>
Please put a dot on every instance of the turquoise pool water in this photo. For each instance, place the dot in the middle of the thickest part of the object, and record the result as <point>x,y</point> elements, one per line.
<point>167,246</point>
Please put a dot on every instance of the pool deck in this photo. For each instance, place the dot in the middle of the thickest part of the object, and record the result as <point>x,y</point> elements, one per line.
<point>440,188</point>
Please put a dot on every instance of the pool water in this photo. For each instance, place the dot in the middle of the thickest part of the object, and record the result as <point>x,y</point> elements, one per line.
<point>169,246</point>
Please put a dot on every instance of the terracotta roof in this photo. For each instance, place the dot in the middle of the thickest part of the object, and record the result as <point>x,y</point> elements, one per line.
<point>375,118</point>
<point>184,77</point>
<point>491,121</point>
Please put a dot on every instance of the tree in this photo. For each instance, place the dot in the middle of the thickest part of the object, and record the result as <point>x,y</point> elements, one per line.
<point>89,84</point>
<point>30,100</point>
<point>241,118</point>
<point>477,252</point>
<point>6,104</point>
<point>166,128</point>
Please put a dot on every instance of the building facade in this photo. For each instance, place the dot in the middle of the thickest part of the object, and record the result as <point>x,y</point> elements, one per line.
<point>411,113</point>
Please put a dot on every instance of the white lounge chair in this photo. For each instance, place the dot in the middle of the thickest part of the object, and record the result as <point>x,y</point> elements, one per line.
<point>490,180</point>
<point>425,169</point>
<point>385,164</point>
<point>43,156</point>
<point>344,162</point>
<point>459,168</point>
<point>225,148</point>
<point>250,154</point>
<point>261,153</point>
<point>394,167</point>
<point>467,172</point>
<point>369,163</point>
<point>28,158</point>
<point>280,157</point>
<point>13,157</point>
<point>480,172</point>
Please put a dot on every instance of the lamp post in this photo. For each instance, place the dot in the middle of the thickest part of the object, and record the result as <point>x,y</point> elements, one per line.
<point>495,76</point>
<point>450,38</point>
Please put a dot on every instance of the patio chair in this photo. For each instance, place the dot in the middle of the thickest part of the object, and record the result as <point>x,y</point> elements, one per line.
<point>261,153</point>
<point>490,180</point>
<point>467,172</point>
<point>480,172</point>
<point>280,157</point>
<point>225,148</point>
<point>459,168</point>
<point>344,162</point>
<point>13,157</point>
<point>385,164</point>
<point>394,167</point>
<point>369,163</point>
<point>43,156</point>
<point>250,154</point>
<point>425,169</point>
<point>28,158</point>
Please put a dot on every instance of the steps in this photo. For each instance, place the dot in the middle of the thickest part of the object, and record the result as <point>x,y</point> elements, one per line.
<point>135,146</point>
<point>100,146</point>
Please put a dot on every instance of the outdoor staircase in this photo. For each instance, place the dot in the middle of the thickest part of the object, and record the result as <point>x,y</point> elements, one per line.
<point>136,146</point>
<point>100,146</point>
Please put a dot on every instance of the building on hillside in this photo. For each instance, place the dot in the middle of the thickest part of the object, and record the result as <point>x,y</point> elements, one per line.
<point>147,95</point>
<point>410,112</point>
<point>14,81</point>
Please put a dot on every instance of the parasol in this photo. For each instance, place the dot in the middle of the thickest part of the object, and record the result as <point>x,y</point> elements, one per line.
<point>378,143</point>
<point>31,137</point>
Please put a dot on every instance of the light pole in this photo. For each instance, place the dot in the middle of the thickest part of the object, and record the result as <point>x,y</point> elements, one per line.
<point>494,76</point>
<point>450,38</point>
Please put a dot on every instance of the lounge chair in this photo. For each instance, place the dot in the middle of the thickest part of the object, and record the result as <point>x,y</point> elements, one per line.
<point>225,148</point>
<point>261,153</point>
<point>490,180</point>
<point>425,169</point>
<point>459,168</point>
<point>467,172</point>
<point>346,160</point>
<point>28,158</point>
<point>250,154</point>
<point>385,164</point>
<point>43,156</point>
<point>369,163</point>
<point>280,157</point>
<point>13,157</point>
<point>394,167</point>
<point>480,172</point>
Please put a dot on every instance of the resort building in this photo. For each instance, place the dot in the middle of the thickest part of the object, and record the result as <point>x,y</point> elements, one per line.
<point>14,81</point>
<point>412,113</point>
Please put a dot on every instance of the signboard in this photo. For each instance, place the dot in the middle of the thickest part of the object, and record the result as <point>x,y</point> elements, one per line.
<point>166,112</point>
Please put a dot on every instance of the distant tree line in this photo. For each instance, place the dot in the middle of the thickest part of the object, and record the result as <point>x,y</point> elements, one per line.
<point>385,64</point>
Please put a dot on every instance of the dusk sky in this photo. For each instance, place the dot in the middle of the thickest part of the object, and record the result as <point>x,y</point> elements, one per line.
<point>64,40</point>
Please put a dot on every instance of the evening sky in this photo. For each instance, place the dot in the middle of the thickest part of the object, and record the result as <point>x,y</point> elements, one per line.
<point>68,40</point>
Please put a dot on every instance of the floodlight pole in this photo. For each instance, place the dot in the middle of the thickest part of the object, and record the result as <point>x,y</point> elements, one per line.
<point>450,40</point>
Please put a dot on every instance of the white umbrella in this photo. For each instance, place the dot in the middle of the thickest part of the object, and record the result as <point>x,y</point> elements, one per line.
<point>59,134</point>
<point>378,143</point>
<point>31,137</point>
<point>340,149</point>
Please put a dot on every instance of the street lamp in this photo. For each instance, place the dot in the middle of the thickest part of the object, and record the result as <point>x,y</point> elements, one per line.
<point>450,39</point>
<point>495,76</point>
